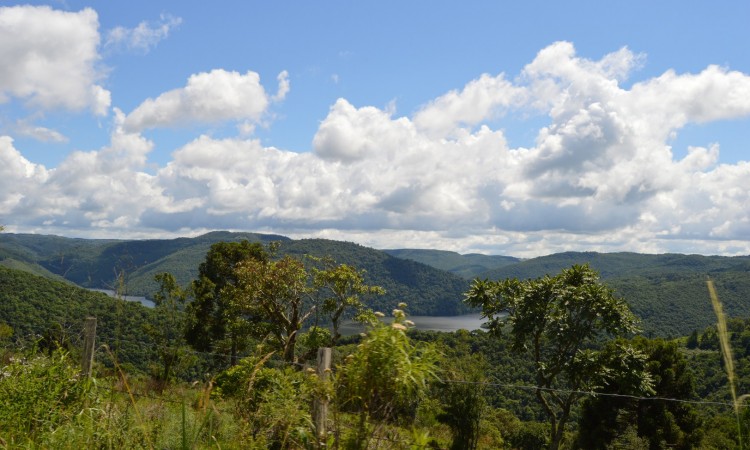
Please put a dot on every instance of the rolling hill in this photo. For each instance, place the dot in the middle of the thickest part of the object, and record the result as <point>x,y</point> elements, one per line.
<point>667,292</point>
<point>98,263</point>
<point>466,266</point>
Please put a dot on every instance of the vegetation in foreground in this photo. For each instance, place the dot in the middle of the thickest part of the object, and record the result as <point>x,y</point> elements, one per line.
<point>250,381</point>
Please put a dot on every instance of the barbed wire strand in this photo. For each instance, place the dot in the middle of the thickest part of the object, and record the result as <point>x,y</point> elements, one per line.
<point>496,384</point>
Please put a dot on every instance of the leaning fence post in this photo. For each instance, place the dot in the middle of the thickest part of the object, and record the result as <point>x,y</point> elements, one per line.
<point>88,346</point>
<point>321,403</point>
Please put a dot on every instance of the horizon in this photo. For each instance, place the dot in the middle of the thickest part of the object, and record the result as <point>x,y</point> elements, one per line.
<point>374,248</point>
<point>513,130</point>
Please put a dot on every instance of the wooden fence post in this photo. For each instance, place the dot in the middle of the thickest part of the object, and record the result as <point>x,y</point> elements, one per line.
<point>321,403</point>
<point>88,346</point>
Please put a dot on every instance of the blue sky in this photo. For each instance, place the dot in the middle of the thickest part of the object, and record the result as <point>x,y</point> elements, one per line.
<point>519,128</point>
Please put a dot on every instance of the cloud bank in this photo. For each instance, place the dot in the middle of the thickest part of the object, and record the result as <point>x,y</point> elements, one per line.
<point>600,176</point>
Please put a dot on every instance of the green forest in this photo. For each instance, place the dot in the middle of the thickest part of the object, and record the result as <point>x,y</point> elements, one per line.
<point>230,355</point>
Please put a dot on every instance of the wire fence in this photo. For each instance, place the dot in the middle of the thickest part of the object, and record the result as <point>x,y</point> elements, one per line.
<point>74,336</point>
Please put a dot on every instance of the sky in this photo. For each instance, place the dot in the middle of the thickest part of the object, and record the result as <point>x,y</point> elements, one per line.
<point>511,128</point>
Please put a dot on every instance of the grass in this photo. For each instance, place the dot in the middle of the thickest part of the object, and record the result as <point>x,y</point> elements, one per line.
<point>726,353</point>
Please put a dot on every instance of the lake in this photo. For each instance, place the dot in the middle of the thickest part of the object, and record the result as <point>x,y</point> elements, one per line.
<point>431,323</point>
<point>131,298</point>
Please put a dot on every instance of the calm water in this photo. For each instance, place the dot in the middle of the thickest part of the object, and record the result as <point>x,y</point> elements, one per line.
<point>131,298</point>
<point>432,323</point>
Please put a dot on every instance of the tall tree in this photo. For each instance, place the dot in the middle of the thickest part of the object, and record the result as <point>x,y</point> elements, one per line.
<point>213,324</point>
<point>343,288</point>
<point>168,329</point>
<point>274,296</point>
<point>558,321</point>
<point>605,419</point>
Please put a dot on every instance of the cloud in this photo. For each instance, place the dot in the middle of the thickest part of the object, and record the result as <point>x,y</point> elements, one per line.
<point>209,97</point>
<point>480,100</point>
<point>50,59</point>
<point>600,176</point>
<point>39,133</point>
<point>144,37</point>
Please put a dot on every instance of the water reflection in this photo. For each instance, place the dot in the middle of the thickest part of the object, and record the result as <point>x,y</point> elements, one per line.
<point>432,323</point>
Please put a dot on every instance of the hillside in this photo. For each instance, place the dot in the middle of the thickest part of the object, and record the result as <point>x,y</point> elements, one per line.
<point>96,264</point>
<point>466,266</point>
<point>37,307</point>
<point>668,292</point>
<point>426,290</point>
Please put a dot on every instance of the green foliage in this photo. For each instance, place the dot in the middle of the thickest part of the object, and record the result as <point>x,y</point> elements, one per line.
<point>606,420</point>
<point>667,292</point>
<point>35,306</point>
<point>385,378</point>
<point>342,287</point>
<point>168,329</point>
<point>272,294</point>
<point>428,291</point>
<point>38,394</point>
<point>463,400</point>
<point>269,402</point>
<point>214,323</point>
<point>556,320</point>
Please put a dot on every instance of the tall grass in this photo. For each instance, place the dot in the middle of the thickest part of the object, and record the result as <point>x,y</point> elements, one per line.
<point>726,353</point>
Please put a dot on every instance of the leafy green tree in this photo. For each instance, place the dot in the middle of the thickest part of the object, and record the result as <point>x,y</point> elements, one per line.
<point>343,288</point>
<point>213,323</point>
<point>462,396</point>
<point>604,420</point>
<point>272,295</point>
<point>168,329</point>
<point>692,340</point>
<point>557,321</point>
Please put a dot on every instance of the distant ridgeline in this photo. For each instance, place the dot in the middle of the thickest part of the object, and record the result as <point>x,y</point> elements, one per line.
<point>668,292</point>
<point>101,263</point>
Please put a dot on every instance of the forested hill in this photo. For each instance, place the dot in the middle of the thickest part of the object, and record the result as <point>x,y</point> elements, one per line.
<point>97,263</point>
<point>668,292</point>
<point>467,266</point>
<point>37,308</point>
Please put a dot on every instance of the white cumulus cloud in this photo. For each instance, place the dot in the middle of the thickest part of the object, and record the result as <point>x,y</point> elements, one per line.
<point>600,176</point>
<point>49,59</point>
<point>208,97</point>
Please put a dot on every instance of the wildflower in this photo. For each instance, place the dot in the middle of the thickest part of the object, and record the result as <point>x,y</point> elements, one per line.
<point>408,323</point>
<point>402,305</point>
<point>397,313</point>
<point>379,314</point>
<point>398,326</point>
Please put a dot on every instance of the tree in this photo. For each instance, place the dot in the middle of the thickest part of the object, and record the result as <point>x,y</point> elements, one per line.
<point>343,288</point>
<point>463,399</point>
<point>213,325</point>
<point>606,419</point>
<point>271,295</point>
<point>558,321</point>
<point>168,329</point>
